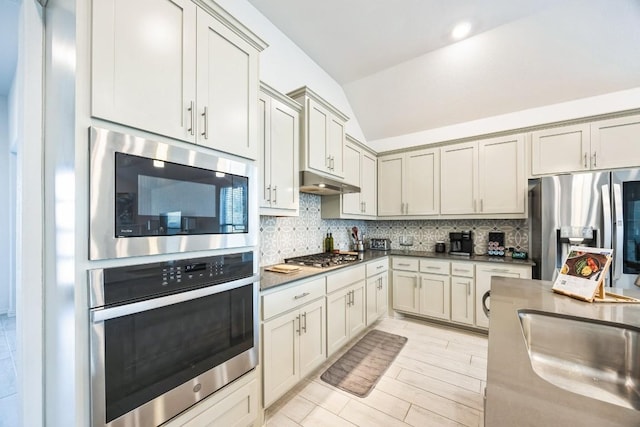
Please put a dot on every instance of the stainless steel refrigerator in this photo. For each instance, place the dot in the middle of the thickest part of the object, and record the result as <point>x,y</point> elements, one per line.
<point>598,209</point>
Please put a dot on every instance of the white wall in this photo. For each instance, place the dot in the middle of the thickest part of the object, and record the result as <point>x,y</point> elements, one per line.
<point>592,106</point>
<point>4,206</point>
<point>285,67</point>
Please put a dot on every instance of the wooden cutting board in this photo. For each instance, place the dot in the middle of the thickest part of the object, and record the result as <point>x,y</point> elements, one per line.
<point>283,268</point>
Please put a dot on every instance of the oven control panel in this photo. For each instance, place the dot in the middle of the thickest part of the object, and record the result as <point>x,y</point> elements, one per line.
<point>144,281</point>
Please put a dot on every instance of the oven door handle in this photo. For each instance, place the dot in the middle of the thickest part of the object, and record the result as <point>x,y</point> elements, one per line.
<point>102,314</point>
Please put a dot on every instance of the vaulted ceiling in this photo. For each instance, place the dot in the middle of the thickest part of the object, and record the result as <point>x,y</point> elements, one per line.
<point>403,73</point>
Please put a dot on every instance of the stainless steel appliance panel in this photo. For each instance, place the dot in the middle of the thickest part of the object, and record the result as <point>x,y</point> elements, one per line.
<point>571,210</point>
<point>625,186</point>
<point>189,332</point>
<point>104,244</point>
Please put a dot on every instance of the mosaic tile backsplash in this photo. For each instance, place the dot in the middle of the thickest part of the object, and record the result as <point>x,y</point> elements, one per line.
<point>284,237</point>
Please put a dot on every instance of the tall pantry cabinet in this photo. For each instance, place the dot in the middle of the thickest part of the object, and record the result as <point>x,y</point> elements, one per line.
<point>207,92</point>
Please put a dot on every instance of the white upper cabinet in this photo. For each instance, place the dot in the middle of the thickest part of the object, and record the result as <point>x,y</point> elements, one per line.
<point>227,70</point>
<point>502,183</point>
<point>278,136</point>
<point>322,134</point>
<point>131,42</point>
<point>409,183</point>
<point>562,149</point>
<point>615,143</point>
<point>459,185</point>
<point>603,144</point>
<point>484,178</point>
<point>172,68</point>
<point>359,170</point>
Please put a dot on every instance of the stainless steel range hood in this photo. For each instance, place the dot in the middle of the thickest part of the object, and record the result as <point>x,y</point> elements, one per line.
<point>316,184</point>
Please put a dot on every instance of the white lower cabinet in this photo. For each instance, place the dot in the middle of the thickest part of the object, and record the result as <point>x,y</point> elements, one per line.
<point>446,290</point>
<point>293,347</point>
<point>484,273</point>
<point>377,289</point>
<point>345,315</point>
<point>434,295</point>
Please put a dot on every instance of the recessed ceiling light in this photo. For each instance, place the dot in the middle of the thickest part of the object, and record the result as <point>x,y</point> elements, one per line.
<point>461,30</point>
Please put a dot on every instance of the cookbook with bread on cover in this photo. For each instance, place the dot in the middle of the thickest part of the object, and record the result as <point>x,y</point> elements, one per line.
<point>583,273</point>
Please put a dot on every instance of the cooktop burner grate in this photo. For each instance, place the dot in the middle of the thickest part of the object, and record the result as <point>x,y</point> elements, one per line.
<point>322,260</point>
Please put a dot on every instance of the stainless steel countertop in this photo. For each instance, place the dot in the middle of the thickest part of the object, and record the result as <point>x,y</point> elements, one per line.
<point>516,395</point>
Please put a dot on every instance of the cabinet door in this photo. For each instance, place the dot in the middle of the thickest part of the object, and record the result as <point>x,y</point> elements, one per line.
<point>383,294</point>
<point>264,143</point>
<point>337,321</point>
<point>615,143</point>
<point>335,146</point>
<point>317,125</point>
<point>562,149</point>
<point>368,184</point>
<point>502,185</point>
<point>434,295</point>
<point>422,182</point>
<point>462,300</point>
<point>131,42</point>
<point>351,202</point>
<point>357,309</point>
<point>458,172</point>
<point>390,190</point>
<point>312,339</point>
<point>284,156</point>
<point>227,69</point>
<point>280,355</point>
<point>405,292</point>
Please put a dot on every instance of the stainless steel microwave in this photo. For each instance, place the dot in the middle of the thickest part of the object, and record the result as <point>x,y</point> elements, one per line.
<point>149,197</point>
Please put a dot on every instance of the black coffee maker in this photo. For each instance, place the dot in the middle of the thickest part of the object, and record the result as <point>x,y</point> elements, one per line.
<point>461,243</point>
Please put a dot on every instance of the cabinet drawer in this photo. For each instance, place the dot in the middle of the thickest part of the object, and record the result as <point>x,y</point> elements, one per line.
<point>376,267</point>
<point>344,278</point>
<point>464,269</point>
<point>434,266</point>
<point>290,298</point>
<point>406,264</point>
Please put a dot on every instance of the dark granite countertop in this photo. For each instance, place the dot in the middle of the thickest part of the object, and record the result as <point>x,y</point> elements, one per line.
<point>270,279</point>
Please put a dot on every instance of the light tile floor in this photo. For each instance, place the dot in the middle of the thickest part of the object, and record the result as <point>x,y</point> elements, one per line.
<point>8,373</point>
<point>437,380</point>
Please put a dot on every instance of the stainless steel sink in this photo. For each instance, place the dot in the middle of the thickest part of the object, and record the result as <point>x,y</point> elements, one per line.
<point>596,359</point>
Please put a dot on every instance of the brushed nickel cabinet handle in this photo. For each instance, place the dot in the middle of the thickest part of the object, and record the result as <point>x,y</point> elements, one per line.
<point>298,320</point>
<point>269,190</point>
<point>304,316</point>
<point>585,160</point>
<point>301,295</point>
<point>191,111</point>
<point>595,159</point>
<point>275,194</point>
<point>205,131</point>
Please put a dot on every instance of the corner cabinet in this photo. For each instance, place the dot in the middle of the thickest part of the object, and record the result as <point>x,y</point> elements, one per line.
<point>409,183</point>
<point>360,169</point>
<point>278,138</point>
<point>207,91</point>
<point>484,177</point>
<point>322,134</point>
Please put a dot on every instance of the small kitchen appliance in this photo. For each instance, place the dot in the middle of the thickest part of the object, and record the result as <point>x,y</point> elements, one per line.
<point>378,244</point>
<point>461,243</point>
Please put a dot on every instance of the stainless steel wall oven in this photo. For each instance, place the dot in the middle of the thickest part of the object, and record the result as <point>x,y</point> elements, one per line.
<point>149,198</point>
<point>165,335</point>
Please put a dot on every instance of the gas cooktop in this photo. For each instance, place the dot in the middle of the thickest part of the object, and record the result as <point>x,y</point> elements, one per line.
<point>323,259</point>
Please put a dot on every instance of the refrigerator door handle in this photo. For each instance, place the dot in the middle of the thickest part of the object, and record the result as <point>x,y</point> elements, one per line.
<point>619,233</point>
<point>606,214</point>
